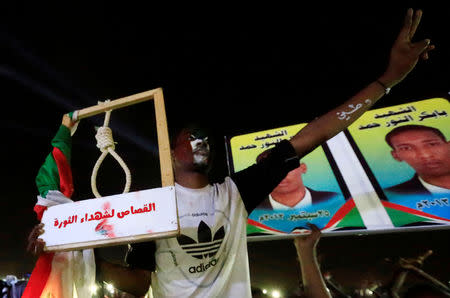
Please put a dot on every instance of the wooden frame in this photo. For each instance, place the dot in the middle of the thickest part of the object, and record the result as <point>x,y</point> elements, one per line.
<point>167,176</point>
<point>165,159</point>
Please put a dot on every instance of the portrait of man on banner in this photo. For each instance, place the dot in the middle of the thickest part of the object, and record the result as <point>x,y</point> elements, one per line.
<point>309,193</point>
<point>407,150</point>
<point>426,150</point>
<point>297,203</point>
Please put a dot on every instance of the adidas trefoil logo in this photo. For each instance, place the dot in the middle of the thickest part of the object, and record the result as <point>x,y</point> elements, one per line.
<point>207,245</point>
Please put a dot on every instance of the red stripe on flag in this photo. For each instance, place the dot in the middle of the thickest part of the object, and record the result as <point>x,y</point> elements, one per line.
<point>260,225</point>
<point>65,173</point>
<point>341,213</point>
<point>411,211</point>
<point>39,276</point>
<point>39,211</point>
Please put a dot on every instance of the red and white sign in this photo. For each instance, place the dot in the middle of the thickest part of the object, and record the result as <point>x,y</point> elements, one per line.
<point>111,220</point>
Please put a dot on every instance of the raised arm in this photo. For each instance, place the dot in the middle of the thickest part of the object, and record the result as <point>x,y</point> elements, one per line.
<point>403,58</point>
<point>313,283</point>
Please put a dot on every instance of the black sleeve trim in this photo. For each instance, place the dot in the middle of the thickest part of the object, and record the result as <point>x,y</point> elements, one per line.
<point>142,255</point>
<point>257,181</point>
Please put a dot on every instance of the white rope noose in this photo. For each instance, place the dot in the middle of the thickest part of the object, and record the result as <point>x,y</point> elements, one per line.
<point>106,145</point>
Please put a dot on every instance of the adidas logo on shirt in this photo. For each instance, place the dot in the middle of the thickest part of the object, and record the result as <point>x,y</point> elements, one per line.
<point>203,267</point>
<point>207,245</point>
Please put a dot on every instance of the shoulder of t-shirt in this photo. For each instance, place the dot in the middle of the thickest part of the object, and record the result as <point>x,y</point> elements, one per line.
<point>227,187</point>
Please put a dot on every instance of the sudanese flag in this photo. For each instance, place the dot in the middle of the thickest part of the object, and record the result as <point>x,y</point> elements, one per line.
<point>59,274</point>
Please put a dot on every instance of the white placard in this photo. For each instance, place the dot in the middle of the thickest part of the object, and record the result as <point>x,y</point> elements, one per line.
<point>111,220</point>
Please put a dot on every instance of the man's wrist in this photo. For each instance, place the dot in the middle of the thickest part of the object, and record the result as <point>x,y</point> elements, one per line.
<point>304,248</point>
<point>306,253</point>
<point>381,84</point>
<point>388,81</point>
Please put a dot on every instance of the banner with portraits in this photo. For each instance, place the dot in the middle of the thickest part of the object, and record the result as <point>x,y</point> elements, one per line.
<point>389,171</point>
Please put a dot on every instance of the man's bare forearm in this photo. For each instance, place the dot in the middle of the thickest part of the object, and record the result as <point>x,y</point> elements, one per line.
<point>403,58</point>
<point>313,282</point>
<point>338,119</point>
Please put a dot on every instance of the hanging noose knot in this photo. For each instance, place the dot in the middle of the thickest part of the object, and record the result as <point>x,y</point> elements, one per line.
<point>106,145</point>
<point>104,138</point>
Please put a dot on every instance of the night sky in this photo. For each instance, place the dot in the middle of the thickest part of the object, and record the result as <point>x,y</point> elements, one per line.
<point>235,73</point>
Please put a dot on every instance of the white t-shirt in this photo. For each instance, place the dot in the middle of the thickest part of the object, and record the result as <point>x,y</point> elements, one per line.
<point>210,257</point>
<point>305,201</point>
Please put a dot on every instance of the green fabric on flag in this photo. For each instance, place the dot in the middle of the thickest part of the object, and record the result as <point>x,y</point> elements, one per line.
<point>48,176</point>
<point>401,218</point>
<point>252,229</point>
<point>352,219</point>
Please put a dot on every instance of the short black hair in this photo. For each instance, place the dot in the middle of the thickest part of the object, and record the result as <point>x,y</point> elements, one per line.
<point>192,127</point>
<point>411,127</point>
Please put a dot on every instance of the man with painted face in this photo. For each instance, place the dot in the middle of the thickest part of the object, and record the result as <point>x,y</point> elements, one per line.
<point>209,259</point>
<point>426,150</point>
<point>193,153</point>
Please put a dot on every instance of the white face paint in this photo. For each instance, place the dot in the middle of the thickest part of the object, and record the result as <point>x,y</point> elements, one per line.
<point>200,150</point>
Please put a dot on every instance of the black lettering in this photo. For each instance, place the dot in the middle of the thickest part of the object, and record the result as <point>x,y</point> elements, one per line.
<point>419,206</point>
<point>202,267</point>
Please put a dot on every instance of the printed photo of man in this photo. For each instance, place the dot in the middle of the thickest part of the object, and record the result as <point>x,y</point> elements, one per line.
<point>291,192</point>
<point>426,150</point>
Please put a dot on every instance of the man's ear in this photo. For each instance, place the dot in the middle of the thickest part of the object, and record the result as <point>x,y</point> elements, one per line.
<point>395,155</point>
<point>303,168</point>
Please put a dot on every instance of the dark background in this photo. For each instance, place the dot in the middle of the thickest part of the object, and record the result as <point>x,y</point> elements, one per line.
<point>231,69</point>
